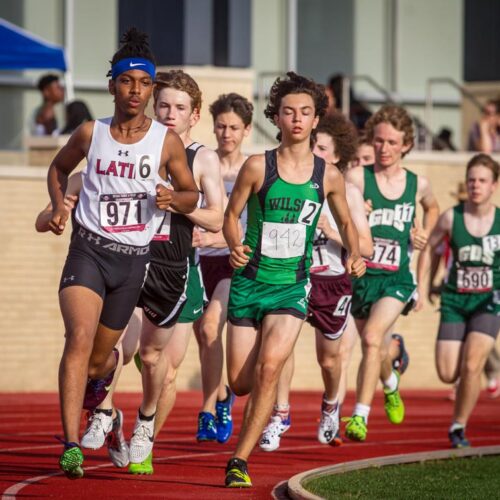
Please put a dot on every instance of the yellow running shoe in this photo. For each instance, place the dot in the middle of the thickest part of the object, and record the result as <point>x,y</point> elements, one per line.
<point>237,474</point>
<point>355,429</point>
<point>394,406</point>
<point>71,461</point>
<point>145,467</point>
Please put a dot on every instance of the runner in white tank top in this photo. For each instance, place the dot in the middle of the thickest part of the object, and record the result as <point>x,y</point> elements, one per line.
<point>107,261</point>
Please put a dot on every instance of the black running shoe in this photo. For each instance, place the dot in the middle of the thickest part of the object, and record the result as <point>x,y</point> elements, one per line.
<point>403,360</point>
<point>237,474</point>
<point>458,439</point>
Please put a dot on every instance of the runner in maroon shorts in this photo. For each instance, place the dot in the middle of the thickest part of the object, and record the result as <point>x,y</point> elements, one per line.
<point>330,300</point>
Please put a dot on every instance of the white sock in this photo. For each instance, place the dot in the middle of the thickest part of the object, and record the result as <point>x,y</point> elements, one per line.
<point>330,401</point>
<point>456,425</point>
<point>391,384</point>
<point>362,410</point>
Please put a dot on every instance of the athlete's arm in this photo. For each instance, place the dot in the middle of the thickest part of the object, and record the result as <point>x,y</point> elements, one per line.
<point>441,229</point>
<point>334,188</point>
<point>62,165</point>
<point>206,167</point>
<point>356,205</point>
<point>248,181</point>
<point>184,196</point>
<point>70,199</point>
<point>356,177</point>
<point>425,196</point>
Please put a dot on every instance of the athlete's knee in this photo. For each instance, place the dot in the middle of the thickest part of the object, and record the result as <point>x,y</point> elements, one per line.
<point>371,341</point>
<point>209,332</point>
<point>240,386</point>
<point>447,374</point>
<point>150,357</point>
<point>329,361</point>
<point>268,370</point>
<point>170,377</point>
<point>472,367</point>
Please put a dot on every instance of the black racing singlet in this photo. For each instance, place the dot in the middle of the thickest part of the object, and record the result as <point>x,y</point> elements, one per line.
<point>174,238</point>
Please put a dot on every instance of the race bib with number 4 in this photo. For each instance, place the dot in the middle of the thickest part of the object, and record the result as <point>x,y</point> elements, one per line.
<point>474,279</point>
<point>386,255</point>
<point>121,213</point>
<point>283,241</point>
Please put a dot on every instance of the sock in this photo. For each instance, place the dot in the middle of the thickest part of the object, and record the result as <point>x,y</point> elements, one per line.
<point>108,413</point>
<point>455,426</point>
<point>391,384</point>
<point>329,405</point>
<point>143,417</point>
<point>281,411</point>
<point>362,411</point>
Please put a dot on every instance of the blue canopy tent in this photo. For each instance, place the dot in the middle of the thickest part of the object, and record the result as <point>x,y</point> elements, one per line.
<point>22,50</point>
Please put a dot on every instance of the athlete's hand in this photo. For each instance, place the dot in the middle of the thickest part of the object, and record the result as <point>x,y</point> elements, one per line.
<point>418,236</point>
<point>70,201</point>
<point>164,197</point>
<point>419,300</point>
<point>201,238</point>
<point>368,207</point>
<point>58,220</point>
<point>238,256</point>
<point>355,266</point>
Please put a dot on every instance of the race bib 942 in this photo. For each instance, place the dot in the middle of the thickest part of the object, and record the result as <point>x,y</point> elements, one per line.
<point>283,241</point>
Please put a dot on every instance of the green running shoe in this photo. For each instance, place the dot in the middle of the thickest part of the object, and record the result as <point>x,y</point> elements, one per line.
<point>394,406</point>
<point>71,461</point>
<point>145,467</point>
<point>355,429</point>
<point>237,474</point>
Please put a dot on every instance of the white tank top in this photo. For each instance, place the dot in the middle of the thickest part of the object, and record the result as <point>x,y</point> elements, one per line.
<point>117,200</point>
<point>228,186</point>
<point>327,254</point>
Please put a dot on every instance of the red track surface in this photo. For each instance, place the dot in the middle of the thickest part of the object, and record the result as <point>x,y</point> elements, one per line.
<point>187,470</point>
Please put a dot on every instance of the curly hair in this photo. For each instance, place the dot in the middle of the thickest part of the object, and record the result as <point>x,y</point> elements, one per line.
<point>344,136</point>
<point>133,43</point>
<point>295,84</point>
<point>226,103</point>
<point>396,116</point>
<point>178,80</point>
<point>484,160</point>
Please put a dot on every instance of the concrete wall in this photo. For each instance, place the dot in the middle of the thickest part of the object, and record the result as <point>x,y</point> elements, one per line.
<point>30,266</point>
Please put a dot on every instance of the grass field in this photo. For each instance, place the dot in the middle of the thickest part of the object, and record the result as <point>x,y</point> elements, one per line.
<point>460,478</point>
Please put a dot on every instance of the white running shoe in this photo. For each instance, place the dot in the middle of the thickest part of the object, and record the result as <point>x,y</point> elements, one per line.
<point>271,436</point>
<point>141,444</point>
<point>328,425</point>
<point>117,446</point>
<point>98,426</point>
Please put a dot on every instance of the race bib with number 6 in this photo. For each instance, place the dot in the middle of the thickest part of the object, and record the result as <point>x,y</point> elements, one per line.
<point>283,241</point>
<point>474,279</point>
<point>144,167</point>
<point>386,255</point>
<point>121,213</point>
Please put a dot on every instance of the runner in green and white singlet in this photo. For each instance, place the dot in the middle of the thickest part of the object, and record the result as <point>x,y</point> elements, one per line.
<point>391,192</point>
<point>470,301</point>
<point>284,190</point>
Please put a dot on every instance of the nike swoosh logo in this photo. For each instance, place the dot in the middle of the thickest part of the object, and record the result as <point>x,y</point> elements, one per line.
<point>107,388</point>
<point>133,65</point>
<point>196,311</point>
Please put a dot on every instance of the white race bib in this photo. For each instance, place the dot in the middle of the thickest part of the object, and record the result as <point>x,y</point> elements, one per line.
<point>474,279</point>
<point>283,241</point>
<point>319,259</point>
<point>123,212</point>
<point>386,255</point>
<point>163,231</point>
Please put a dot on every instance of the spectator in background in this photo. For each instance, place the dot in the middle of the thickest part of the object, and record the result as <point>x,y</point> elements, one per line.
<point>443,140</point>
<point>77,113</point>
<point>44,119</point>
<point>484,135</point>
<point>358,112</point>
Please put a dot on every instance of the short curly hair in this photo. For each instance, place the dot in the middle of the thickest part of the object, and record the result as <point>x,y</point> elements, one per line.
<point>396,116</point>
<point>344,136</point>
<point>178,80</point>
<point>484,160</point>
<point>295,84</point>
<point>226,103</point>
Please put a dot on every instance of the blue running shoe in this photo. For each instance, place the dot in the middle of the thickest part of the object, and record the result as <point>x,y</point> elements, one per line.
<point>401,363</point>
<point>207,430</point>
<point>223,418</point>
<point>97,390</point>
<point>458,439</point>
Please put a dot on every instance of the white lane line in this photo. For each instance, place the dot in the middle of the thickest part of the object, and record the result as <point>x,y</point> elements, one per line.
<point>13,490</point>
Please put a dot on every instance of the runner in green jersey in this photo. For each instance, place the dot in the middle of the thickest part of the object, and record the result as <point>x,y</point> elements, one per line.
<point>392,193</point>
<point>284,190</point>
<point>470,301</point>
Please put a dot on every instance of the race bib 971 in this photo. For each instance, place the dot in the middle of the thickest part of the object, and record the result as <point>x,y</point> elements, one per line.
<point>123,212</point>
<point>283,241</point>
